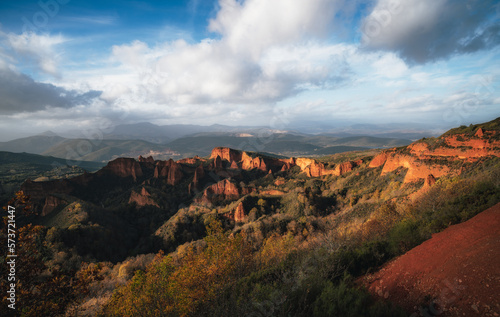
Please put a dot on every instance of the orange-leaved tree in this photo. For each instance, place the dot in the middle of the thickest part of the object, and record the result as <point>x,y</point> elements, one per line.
<point>168,289</point>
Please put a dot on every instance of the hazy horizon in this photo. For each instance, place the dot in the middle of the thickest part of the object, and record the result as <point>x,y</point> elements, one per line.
<point>285,64</point>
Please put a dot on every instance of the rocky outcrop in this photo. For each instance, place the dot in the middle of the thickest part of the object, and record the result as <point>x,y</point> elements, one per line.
<point>422,160</point>
<point>192,160</point>
<point>379,159</point>
<point>239,213</point>
<point>234,165</point>
<point>257,162</point>
<point>51,203</point>
<point>226,158</point>
<point>226,154</point>
<point>142,199</point>
<point>312,168</point>
<point>345,167</point>
<point>416,169</point>
<point>125,167</point>
<point>199,173</point>
<point>433,157</point>
<point>170,170</point>
<point>429,181</point>
<point>479,133</point>
<point>149,159</point>
<point>223,190</point>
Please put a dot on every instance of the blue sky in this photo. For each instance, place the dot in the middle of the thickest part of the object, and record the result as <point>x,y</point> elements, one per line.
<point>282,63</point>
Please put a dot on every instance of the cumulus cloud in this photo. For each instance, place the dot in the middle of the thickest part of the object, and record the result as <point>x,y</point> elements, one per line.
<point>252,26</point>
<point>21,93</point>
<point>38,48</point>
<point>267,51</point>
<point>427,30</point>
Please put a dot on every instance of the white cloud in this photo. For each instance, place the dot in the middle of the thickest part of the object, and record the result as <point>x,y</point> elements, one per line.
<point>39,48</point>
<point>390,66</point>
<point>251,27</point>
<point>268,50</point>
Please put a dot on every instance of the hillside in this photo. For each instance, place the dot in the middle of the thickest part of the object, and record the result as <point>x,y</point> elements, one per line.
<point>15,168</point>
<point>282,143</point>
<point>36,144</point>
<point>106,150</point>
<point>455,273</point>
<point>239,232</point>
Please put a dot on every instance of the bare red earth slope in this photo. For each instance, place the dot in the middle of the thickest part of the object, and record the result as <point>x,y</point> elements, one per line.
<point>455,273</point>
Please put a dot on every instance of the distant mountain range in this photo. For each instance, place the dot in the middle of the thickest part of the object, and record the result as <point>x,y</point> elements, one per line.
<point>179,141</point>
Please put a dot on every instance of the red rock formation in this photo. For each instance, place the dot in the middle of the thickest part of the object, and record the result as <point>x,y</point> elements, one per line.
<point>199,173</point>
<point>430,180</point>
<point>169,169</point>
<point>416,169</point>
<point>479,133</point>
<point>345,167</point>
<point>142,199</point>
<point>51,203</point>
<point>239,213</point>
<point>149,159</point>
<point>234,165</point>
<point>312,168</point>
<point>421,159</point>
<point>174,174</point>
<point>226,154</point>
<point>125,167</point>
<point>223,190</point>
<point>379,160</point>
<point>192,160</point>
<point>216,164</point>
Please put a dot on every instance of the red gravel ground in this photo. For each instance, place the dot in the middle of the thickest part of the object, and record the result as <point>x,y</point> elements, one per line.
<point>455,273</point>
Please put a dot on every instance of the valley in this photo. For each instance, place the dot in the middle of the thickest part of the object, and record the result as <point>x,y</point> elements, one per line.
<point>235,231</point>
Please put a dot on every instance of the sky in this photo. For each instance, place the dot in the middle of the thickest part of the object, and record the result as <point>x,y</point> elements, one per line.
<point>90,65</point>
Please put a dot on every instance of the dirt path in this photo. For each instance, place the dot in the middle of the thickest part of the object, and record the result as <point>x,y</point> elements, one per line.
<point>455,273</point>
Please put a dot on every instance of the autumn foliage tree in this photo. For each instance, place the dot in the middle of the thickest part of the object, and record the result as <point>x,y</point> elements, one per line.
<point>40,290</point>
<point>179,290</point>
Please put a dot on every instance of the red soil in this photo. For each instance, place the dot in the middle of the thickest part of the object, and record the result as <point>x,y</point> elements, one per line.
<point>455,273</point>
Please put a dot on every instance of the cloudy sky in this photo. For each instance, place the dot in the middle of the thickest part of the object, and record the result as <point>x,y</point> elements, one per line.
<point>74,64</point>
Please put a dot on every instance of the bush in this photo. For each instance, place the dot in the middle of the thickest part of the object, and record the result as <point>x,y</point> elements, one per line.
<point>405,236</point>
<point>345,300</point>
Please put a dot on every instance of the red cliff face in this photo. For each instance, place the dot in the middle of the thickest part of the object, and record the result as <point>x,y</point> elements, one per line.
<point>416,169</point>
<point>345,167</point>
<point>422,159</point>
<point>142,199</point>
<point>312,168</point>
<point>239,213</point>
<point>223,190</point>
<point>199,173</point>
<point>379,160</point>
<point>51,203</point>
<point>170,170</point>
<point>257,162</point>
<point>242,160</point>
<point>226,154</point>
<point>125,167</point>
